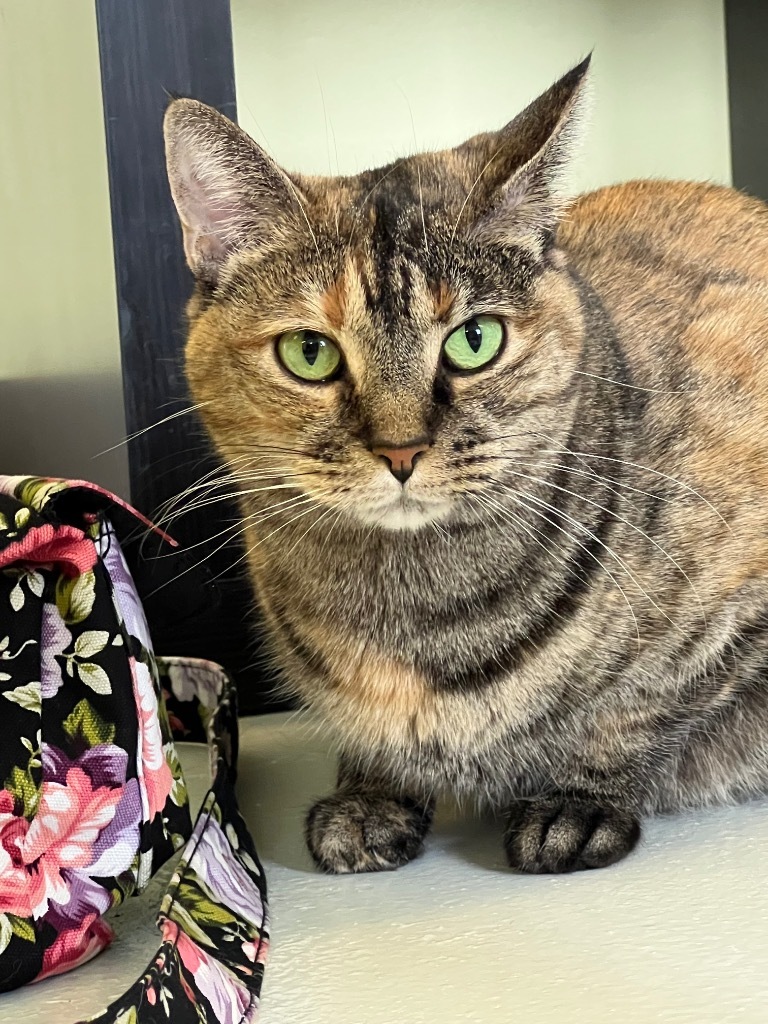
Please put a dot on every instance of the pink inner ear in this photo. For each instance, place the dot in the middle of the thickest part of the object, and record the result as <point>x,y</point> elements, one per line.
<point>516,191</point>
<point>227,191</point>
<point>525,207</point>
<point>210,249</point>
<point>207,218</point>
<point>208,212</point>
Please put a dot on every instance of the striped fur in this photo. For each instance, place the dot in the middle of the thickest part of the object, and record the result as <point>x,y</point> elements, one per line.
<point>565,611</point>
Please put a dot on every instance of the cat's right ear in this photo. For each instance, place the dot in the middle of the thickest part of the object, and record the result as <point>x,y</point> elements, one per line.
<point>228,193</point>
<point>515,171</point>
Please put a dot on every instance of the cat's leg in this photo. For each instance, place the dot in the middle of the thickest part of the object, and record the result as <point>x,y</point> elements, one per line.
<point>366,826</point>
<point>564,833</point>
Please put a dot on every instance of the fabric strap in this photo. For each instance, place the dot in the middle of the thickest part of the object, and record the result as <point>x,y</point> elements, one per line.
<point>213,919</point>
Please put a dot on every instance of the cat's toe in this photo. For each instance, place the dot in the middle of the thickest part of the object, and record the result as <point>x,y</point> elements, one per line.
<point>363,832</point>
<point>553,836</point>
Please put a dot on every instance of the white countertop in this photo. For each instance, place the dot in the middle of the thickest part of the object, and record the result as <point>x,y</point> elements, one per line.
<point>677,933</point>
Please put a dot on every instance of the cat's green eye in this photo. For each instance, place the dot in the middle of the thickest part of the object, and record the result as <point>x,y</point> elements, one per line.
<point>309,355</point>
<point>475,343</point>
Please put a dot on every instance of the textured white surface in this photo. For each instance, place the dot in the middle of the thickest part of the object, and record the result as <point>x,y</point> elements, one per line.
<point>677,934</point>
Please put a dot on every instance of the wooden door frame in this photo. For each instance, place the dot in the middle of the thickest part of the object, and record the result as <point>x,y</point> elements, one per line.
<point>149,51</point>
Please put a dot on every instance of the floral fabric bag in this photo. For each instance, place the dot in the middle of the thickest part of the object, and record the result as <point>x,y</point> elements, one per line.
<point>92,797</point>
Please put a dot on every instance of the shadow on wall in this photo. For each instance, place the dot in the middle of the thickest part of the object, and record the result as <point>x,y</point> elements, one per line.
<point>57,426</point>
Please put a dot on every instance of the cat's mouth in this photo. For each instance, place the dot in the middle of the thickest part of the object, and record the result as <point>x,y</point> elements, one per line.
<point>403,512</point>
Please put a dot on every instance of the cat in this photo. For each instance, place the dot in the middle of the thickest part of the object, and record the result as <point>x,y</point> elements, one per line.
<point>503,471</point>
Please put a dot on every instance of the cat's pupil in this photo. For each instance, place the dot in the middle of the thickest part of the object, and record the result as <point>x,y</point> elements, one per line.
<point>473,332</point>
<point>311,348</point>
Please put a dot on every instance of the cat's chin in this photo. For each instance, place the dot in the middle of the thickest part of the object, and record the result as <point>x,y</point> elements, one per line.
<point>405,514</point>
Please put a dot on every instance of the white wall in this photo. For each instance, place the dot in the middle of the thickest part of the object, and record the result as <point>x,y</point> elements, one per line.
<point>344,84</point>
<point>60,381</point>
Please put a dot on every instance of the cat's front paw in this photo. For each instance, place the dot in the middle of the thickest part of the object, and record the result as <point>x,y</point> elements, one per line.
<point>351,832</point>
<point>552,836</point>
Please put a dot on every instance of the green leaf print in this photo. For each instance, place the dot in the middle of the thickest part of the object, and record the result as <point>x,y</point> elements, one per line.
<point>179,793</point>
<point>36,491</point>
<point>202,908</point>
<point>95,677</point>
<point>127,1016</point>
<point>91,642</point>
<point>181,915</point>
<point>22,928</point>
<point>22,787</point>
<point>87,725</point>
<point>6,932</point>
<point>75,597</point>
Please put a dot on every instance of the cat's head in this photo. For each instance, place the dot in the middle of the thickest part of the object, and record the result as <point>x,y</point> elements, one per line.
<point>382,341</point>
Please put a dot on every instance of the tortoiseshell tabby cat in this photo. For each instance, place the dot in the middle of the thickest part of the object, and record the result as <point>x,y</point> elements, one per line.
<point>504,475</point>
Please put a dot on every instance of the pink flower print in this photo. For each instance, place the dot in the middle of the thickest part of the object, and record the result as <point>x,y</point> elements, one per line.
<point>15,896</point>
<point>62,835</point>
<point>113,852</point>
<point>76,946</point>
<point>65,546</point>
<point>154,771</point>
<point>229,998</point>
<point>83,828</point>
<point>255,951</point>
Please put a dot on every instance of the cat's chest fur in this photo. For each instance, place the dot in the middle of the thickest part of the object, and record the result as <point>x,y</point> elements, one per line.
<point>403,659</point>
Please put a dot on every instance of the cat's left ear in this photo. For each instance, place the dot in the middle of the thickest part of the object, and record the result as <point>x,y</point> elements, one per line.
<point>229,194</point>
<point>517,169</point>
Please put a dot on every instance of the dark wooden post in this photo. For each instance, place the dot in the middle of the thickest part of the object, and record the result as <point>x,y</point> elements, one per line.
<point>150,50</point>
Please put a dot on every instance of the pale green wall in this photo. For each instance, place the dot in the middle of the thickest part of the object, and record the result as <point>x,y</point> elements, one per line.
<point>60,383</point>
<point>404,74</point>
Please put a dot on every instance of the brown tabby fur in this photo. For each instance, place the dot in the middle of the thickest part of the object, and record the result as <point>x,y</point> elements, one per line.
<point>564,611</point>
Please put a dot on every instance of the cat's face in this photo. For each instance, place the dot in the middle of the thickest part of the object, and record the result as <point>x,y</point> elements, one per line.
<point>384,342</point>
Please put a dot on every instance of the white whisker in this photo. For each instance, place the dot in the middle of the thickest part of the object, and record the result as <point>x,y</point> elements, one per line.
<point>475,183</point>
<point>585,529</point>
<point>138,433</point>
<point>656,472</point>
<point>551,552</point>
<point>210,554</point>
<point>635,387</point>
<point>263,540</point>
<point>627,522</point>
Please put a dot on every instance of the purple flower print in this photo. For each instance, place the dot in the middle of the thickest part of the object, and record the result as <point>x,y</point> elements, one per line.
<point>216,866</point>
<point>127,600</point>
<point>105,764</point>
<point>113,849</point>
<point>55,640</point>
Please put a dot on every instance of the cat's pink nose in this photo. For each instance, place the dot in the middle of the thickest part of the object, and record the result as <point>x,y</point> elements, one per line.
<point>401,460</point>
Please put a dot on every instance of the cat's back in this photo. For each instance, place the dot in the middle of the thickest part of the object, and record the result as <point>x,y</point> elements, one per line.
<point>673,226</point>
<point>682,270</point>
